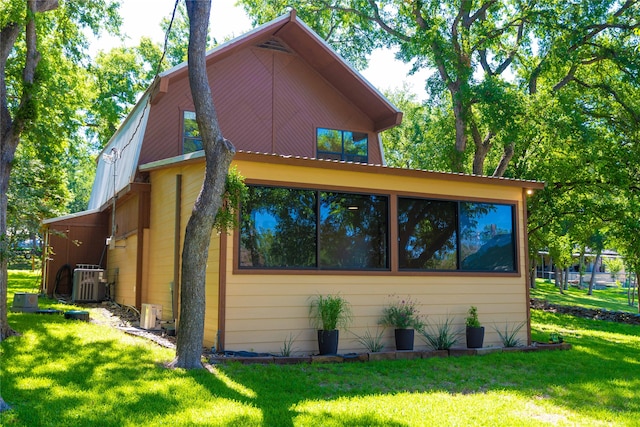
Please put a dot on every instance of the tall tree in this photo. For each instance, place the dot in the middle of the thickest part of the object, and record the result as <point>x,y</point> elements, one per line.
<point>218,153</point>
<point>11,127</point>
<point>22,27</point>
<point>13,124</point>
<point>487,56</point>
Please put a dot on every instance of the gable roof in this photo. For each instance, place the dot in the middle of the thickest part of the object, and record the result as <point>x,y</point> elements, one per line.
<point>301,39</point>
<point>297,36</point>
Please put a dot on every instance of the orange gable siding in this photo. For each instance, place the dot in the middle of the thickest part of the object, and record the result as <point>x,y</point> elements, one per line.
<point>267,101</point>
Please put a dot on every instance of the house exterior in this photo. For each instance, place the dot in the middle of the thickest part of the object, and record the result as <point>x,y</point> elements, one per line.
<point>324,216</point>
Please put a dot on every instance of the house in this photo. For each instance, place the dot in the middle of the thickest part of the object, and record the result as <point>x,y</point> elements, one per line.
<point>325,214</point>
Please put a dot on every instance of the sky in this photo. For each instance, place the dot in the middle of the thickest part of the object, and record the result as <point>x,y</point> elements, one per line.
<point>142,18</point>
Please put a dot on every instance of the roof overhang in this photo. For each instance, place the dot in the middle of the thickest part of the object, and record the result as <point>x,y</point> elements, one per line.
<point>198,157</point>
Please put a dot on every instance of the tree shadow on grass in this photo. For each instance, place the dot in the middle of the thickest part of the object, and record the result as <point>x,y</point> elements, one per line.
<point>54,375</point>
<point>587,380</point>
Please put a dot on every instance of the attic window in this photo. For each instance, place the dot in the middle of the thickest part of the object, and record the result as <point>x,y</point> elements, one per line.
<point>334,144</point>
<point>191,140</point>
<point>274,44</point>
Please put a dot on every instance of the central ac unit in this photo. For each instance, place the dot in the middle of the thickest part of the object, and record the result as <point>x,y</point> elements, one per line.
<point>88,284</point>
<point>150,317</point>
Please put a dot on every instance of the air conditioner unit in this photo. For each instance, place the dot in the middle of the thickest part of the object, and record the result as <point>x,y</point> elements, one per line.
<point>88,284</point>
<point>150,317</point>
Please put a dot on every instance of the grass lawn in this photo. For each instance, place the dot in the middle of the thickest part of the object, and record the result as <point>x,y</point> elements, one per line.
<point>70,373</point>
<point>612,298</point>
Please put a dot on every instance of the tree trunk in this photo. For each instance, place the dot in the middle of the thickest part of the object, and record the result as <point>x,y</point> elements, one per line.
<point>507,155</point>
<point>638,289</point>
<point>10,130</point>
<point>558,278</point>
<point>218,154</point>
<point>461,134</point>
<point>581,268</point>
<point>596,265</point>
<point>533,272</point>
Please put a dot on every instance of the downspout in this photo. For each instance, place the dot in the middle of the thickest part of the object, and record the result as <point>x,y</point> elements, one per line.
<point>222,292</point>
<point>175,289</point>
<point>525,222</point>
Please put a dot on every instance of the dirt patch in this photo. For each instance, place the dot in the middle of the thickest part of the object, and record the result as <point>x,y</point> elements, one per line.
<point>127,319</point>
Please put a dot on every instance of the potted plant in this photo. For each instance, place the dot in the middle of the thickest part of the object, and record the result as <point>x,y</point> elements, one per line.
<point>474,330</point>
<point>327,313</point>
<point>403,315</point>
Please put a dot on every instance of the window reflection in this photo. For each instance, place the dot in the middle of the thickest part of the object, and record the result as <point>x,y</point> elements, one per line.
<point>191,139</point>
<point>486,237</point>
<point>342,145</point>
<point>278,228</point>
<point>450,235</point>
<point>281,229</point>
<point>427,234</point>
<point>353,231</point>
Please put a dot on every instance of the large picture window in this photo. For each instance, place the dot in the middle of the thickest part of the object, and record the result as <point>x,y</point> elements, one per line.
<point>191,139</point>
<point>353,231</point>
<point>486,237</point>
<point>427,232</point>
<point>342,145</point>
<point>449,235</point>
<point>285,228</point>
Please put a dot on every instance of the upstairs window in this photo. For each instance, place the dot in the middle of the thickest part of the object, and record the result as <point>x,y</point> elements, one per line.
<point>191,139</point>
<point>342,145</point>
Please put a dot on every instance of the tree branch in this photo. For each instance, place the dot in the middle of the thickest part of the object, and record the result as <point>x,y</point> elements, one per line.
<point>598,28</point>
<point>480,13</point>
<point>376,18</point>
<point>611,91</point>
<point>570,76</point>
<point>507,155</point>
<point>513,52</point>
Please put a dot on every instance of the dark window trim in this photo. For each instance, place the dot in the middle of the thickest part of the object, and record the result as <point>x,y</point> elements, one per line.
<point>459,270</point>
<point>394,270</point>
<point>343,156</point>
<point>318,268</point>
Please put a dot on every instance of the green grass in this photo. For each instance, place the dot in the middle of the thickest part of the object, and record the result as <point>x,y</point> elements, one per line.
<point>70,373</point>
<point>612,298</point>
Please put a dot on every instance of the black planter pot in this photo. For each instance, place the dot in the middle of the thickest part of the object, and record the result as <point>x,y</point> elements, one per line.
<point>328,341</point>
<point>475,337</point>
<point>404,339</point>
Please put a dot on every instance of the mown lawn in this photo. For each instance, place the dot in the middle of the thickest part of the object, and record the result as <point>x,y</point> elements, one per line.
<point>611,298</point>
<point>70,373</point>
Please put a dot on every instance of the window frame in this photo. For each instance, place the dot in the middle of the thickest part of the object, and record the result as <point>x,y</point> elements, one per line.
<point>458,255</point>
<point>342,155</point>
<point>318,267</point>
<point>184,134</point>
<point>392,235</point>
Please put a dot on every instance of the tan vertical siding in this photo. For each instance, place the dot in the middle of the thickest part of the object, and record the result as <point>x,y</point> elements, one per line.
<point>161,241</point>
<point>263,310</point>
<point>122,259</point>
